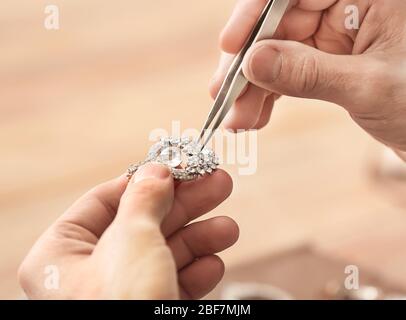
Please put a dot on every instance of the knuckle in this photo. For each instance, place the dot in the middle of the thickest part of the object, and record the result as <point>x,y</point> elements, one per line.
<point>146,231</point>
<point>380,80</point>
<point>67,230</point>
<point>301,73</point>
<point>147,188</point>
<point>307,75</point>
<point>148,198</point>
<point>383,75</point>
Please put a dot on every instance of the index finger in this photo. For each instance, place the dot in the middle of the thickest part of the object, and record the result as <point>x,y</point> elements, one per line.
<point>195,198</point>
<point>246,14</point>
<point>95,210</point>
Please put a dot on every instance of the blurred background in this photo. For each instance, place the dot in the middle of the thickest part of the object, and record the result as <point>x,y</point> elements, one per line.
<point>77,106</point>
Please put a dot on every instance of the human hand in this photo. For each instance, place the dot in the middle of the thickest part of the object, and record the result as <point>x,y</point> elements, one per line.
<point>362,70</point>
<point>132,242</point>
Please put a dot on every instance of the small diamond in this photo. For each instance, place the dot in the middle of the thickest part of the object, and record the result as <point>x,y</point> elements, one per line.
<point>175,141</point>
<point>207,152</point>
<point>184,142</point>
<point>191,170</point>
<point>154,150</point>
<point>193,161</point>
<point>171,156</point>
<point>193,148</point>
<point>165,142</point>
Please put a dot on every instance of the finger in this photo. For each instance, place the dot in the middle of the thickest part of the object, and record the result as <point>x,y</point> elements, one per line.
<point>217,80</point>
<point>314,5</point>
<point>266,112</point>
<point>201,277</point>
<point>246,111</point>
<point>148,197</point>
<point>202,239</point>
<point>136,230</point>
<point>298,24</point>
<point>240,24</point>
<point>134,243</point>
<point>196,198</point>
<point>94,212</point>
<point>218,77</point>
<point>247,12</point>
<point>294,69</point>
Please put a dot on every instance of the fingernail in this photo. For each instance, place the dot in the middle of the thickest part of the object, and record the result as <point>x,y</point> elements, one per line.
<point>151,171</point>
<point>265,64</point>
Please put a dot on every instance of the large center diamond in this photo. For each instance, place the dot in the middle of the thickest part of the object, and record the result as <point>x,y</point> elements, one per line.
<point>171,156</point>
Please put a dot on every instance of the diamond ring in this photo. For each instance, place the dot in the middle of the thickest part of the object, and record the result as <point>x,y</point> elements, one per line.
<point>186,158</point>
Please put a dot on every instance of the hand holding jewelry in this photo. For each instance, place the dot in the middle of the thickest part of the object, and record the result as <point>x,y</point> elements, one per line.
<point>185,157</point>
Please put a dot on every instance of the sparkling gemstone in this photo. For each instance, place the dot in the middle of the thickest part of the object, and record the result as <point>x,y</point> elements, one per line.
<point>184,142</point>
<point>190,170</point>
<point>175,141</point>
<point>154,150</point>
<point>193,161</point>
<point>171,156</point>
<point>207,152</point>
<point>165,142</point>
<point>193,148</point>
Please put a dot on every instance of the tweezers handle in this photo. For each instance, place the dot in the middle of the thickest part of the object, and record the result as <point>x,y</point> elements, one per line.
<point>235,81</point>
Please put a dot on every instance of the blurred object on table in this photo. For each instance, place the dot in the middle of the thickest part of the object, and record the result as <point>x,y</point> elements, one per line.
<point>253,291</point>
<point>336,291</point>
<point>304,273</point>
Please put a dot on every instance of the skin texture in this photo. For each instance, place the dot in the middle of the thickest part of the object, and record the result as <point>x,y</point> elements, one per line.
<point>134,241</point>
<point>315,56</point>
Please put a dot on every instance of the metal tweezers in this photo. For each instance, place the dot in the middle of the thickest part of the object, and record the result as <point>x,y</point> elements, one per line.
<point>235,81</point>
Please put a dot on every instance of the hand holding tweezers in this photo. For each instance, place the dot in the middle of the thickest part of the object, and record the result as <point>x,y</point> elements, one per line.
<point>235,81</point>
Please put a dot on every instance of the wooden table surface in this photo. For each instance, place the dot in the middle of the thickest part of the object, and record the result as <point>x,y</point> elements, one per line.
<point>77,106</point>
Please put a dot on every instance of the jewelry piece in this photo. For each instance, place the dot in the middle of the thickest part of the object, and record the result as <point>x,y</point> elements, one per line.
<point>186,158</point>
<point>254,291</point>
<point>336,291</point>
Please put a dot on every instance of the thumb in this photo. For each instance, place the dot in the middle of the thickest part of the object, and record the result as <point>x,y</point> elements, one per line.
<point>148,197</point>
<point>295,69</point>
<point>134,246</point>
